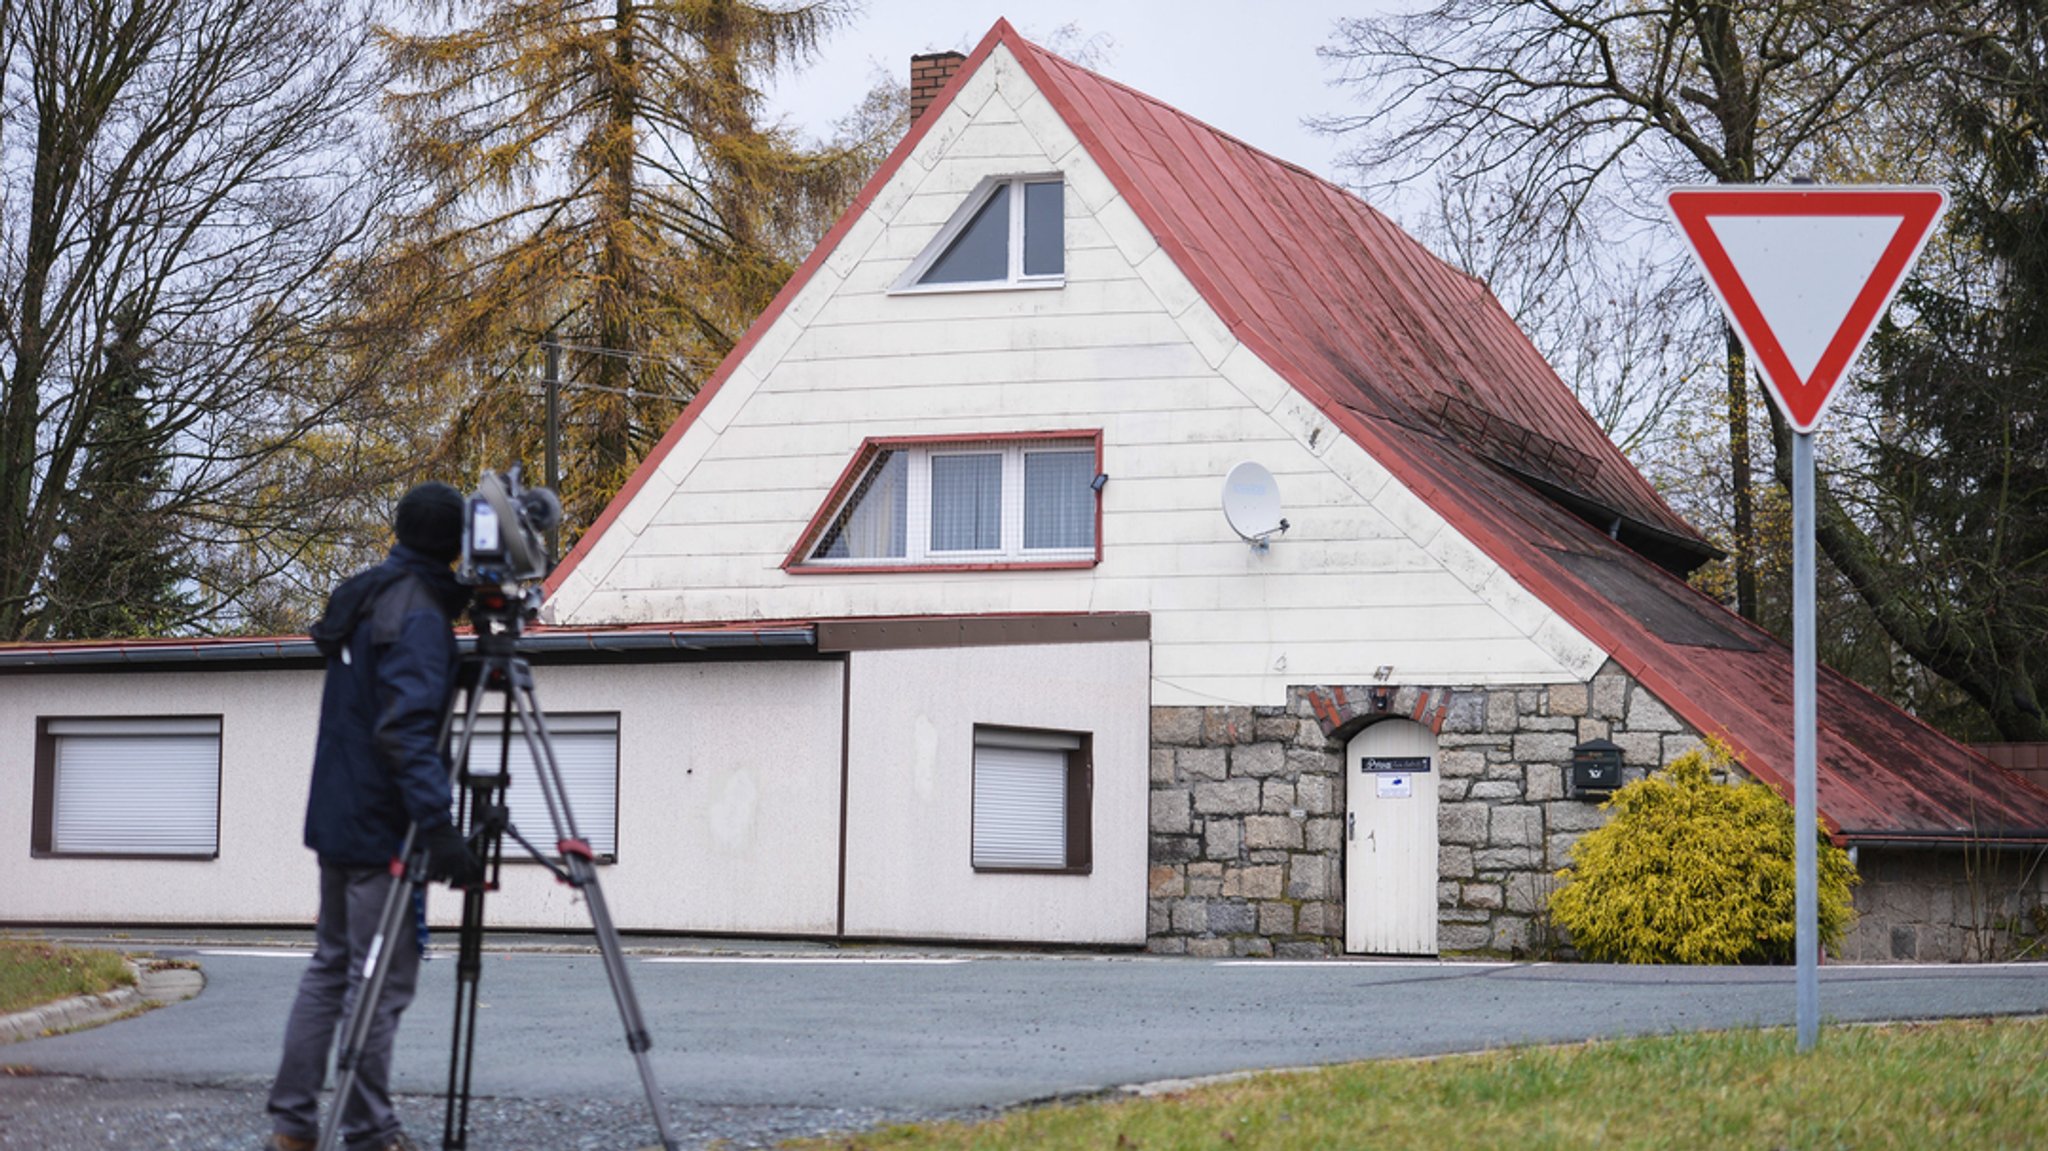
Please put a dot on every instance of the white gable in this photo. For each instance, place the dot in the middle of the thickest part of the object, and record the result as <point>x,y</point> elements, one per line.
<point>1368,576</point>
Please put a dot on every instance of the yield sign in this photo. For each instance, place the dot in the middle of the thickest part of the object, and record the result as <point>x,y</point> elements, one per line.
<point>1804,273</point>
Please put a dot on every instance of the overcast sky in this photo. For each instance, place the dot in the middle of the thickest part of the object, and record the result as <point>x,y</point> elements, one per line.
<point>1248,68</point>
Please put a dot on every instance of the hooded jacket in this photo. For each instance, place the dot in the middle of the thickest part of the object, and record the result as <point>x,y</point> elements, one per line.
<point>391,662</point>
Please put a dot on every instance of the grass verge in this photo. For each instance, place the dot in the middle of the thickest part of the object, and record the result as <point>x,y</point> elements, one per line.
<point>32,974</point>
<point>1951,1084</point>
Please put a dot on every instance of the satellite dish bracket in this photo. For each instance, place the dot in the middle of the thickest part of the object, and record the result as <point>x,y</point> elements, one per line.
<point>1261,541</point>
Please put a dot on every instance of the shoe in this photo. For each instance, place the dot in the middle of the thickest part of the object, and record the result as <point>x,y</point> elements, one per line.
<point>281,1142</point>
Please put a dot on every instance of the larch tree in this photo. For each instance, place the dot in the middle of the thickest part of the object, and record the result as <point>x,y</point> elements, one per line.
<point>599,174</point>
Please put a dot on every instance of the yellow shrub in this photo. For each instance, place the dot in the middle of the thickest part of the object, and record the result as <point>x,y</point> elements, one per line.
<point>1693,871</point>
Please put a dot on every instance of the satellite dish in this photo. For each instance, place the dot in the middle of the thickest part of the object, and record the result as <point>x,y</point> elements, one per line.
<point>1251,502</point>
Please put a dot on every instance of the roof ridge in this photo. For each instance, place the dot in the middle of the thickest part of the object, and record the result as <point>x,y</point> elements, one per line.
<point>1191,118</point>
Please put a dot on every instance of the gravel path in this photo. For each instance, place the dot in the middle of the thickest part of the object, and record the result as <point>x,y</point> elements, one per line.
<point>71,1113</point>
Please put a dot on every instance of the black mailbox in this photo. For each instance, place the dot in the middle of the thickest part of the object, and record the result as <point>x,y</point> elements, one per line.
<point>1596,768</point>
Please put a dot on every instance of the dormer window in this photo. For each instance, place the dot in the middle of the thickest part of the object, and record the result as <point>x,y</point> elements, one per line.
<point>1010,233</point>
<point>1004,501</point>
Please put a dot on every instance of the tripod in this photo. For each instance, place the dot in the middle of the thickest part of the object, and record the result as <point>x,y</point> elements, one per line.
<point>495,667</point>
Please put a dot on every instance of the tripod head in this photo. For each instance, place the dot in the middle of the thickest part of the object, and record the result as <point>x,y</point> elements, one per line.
<point>499,615</point>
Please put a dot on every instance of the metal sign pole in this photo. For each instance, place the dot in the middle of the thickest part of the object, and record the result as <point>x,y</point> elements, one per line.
<point>1807,912</point>
<point>1804,333</point>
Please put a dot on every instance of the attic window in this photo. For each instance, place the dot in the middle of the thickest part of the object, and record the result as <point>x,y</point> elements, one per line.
<point>1003,501</point>
<point>1011,232</point>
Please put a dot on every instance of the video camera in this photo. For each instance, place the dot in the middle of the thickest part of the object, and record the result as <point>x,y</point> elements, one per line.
<point>505,530</point>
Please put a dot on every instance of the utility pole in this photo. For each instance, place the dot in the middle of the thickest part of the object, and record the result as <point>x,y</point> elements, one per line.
<point>553,467</point>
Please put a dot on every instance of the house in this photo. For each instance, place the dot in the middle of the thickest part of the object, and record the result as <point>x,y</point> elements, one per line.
<point>926,619</point>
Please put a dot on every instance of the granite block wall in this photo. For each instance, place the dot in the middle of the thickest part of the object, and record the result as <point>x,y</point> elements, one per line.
<point>1247,819</point>
<point>1247,810</point>
<point>1948,905</point>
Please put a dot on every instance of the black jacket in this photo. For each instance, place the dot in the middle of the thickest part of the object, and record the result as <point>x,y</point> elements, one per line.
<point>391,663</point>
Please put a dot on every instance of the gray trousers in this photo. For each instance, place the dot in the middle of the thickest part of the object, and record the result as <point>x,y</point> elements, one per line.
<point>350,901</point>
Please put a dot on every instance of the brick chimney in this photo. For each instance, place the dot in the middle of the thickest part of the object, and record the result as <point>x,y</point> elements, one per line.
<point>928,74</point>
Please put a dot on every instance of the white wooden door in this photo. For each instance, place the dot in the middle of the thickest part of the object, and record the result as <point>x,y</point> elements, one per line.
<point>1390,840</point>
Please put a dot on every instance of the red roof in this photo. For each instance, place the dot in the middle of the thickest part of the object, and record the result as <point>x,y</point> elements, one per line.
<point>1420,365</point>
<point>1334,295</point>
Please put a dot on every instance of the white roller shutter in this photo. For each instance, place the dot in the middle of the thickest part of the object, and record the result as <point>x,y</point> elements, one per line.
<point>587,752</point>
<point>136,786</point>
<point>1020,798</point>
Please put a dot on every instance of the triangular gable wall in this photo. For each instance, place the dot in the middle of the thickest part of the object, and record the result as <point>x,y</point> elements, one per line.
<point>1370,576</point>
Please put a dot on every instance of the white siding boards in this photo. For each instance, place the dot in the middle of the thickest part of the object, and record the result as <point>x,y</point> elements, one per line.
<point>1368,576</point>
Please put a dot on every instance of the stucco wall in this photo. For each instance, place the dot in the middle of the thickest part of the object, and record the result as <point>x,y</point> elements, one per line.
<point>728,801</point>
<point>262,874</point>
<point>909,870</point>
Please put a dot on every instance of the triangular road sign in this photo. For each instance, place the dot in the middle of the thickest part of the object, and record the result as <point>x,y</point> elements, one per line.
<point>1804,273</point>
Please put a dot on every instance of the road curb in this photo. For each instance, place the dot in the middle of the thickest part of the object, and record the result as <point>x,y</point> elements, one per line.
<point>153,987</point>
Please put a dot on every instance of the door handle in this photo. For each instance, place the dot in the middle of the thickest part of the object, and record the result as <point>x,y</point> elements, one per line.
<point>1351,826</point>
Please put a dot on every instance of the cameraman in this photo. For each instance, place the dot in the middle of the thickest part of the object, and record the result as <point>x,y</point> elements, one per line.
<point>389,640</point>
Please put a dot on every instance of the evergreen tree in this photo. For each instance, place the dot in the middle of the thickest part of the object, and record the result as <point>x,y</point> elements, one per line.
<point>117,570</point>
<point>1952,556</point>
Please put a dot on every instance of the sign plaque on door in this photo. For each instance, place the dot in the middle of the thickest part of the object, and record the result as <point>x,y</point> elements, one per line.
<point>1393,764</point>
<point>1395,786</point>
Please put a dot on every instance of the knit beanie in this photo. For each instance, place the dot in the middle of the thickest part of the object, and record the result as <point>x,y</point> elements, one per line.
<point>429,520</point>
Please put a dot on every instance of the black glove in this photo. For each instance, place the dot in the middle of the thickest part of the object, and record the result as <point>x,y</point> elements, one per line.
<point>449,858</point>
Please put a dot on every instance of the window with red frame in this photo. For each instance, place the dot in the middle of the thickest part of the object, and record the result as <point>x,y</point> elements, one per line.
<point>985,501</point>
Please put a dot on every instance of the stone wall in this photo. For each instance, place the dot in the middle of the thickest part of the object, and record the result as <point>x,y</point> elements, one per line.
<point>1247,818</point>
<point>1949,906</point>
<point>1247,810</point>
<point>1247,833</point>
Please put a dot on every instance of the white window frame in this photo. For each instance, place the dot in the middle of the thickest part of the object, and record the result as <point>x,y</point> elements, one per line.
<point>598,822</point>
<point>139,828</point>
<point>911,281</point>
<point>918,550</point>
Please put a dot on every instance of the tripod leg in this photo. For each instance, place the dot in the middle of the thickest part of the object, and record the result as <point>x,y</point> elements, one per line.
<point>462,1058</point>
<point>393,929</point>
<point>581,866</point>
<point>479,800</point>
<point>638,1039</point>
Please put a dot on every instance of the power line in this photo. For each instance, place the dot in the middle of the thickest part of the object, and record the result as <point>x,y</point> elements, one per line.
<point>622,354</point>
<point>629,393</point>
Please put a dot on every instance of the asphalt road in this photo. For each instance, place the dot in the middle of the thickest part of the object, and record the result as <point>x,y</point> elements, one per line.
<point>875,1036</point>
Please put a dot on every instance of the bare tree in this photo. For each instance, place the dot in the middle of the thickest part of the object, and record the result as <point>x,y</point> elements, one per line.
<point>1623,327</point>
<point>187,172</point>
<point>1566,116</point>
